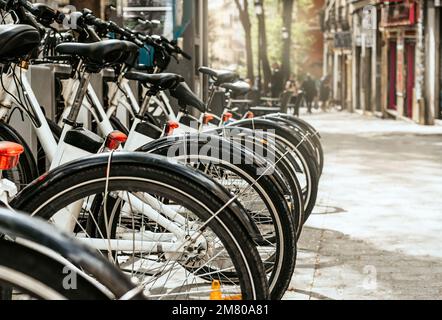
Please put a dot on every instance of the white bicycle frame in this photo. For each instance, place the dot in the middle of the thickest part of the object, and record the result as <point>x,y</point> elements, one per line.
<point>161,103</point>
<point>124,97</point>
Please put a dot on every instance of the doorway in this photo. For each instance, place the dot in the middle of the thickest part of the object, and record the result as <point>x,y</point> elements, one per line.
<point>410,50</point>
<point>367,74</point>
<point>343,81</point>
<point>392,75</point>
<point>358,78</point>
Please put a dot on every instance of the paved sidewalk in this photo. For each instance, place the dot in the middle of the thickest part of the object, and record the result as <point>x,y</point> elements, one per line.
<point>376,232</point>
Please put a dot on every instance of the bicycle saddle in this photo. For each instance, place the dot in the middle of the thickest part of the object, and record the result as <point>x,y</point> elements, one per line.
<point>161,81</point>
<point>17,40</point>
<point>220,76</point>
<point>186,97</point>
<point>101,53</point>
<point>238,87</point>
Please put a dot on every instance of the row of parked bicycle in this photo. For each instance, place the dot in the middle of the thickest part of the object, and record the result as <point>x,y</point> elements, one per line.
<point>162,204</point>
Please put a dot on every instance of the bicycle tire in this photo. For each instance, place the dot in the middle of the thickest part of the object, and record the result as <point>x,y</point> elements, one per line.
<point>314,134</point>
<point>302,150</point>
<point>40,276</point>
<point>311,138</point>
<point>42,237</point>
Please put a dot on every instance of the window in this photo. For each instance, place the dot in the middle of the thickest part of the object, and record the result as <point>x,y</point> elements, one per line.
<point>161,10</point>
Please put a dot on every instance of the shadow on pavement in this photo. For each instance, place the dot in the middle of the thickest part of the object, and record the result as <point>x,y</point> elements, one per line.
<point>399,275</point>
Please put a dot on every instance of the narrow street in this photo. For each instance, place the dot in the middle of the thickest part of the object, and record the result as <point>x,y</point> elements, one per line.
<point>376,231</point>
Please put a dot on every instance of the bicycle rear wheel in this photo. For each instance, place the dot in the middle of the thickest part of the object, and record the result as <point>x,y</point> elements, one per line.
<point>165,267</point>
<point>259,194</point>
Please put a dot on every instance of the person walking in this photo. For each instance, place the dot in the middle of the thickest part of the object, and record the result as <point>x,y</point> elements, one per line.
<point>310,91</point>
<point>277,81</point>
<point>293,87</point>
<point>324,92</point>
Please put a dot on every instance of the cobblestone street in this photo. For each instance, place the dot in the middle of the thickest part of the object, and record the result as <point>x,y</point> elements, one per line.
<point>376,232</point>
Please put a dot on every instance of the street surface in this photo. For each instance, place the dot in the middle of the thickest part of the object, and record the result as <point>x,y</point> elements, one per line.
<point>376,232</point>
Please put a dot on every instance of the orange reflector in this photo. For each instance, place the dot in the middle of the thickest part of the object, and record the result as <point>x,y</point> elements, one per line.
<point>115,139</point>
<point>250,115</point>
<point>234,297</point>
<point>9,154</point>
<point>215,294</point>
<point>207,118</point>
<point>171,126</point>
<point>227,116</point>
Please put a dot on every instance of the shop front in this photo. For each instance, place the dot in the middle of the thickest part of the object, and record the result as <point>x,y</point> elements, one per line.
<point>400,38</point>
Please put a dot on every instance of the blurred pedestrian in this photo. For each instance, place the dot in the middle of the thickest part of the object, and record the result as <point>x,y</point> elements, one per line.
<point>324,92</point>
<point>310,91</point>
<point>292,86</point>
<point>277,81</point>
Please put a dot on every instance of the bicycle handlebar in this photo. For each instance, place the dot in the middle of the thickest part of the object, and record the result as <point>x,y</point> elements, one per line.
<point>173,46</point>
<point>43,13</point>
<point>139,39</point>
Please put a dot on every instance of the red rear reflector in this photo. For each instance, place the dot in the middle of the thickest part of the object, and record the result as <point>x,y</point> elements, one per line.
<point>171,126</point>
<point>227,116</point>
<point>115,139</point>
<point>9,154</point>
<point>207,118</point>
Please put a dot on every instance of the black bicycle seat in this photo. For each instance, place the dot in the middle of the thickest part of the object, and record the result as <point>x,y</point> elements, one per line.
<point>219,76</point>
<point>100,53</point>
<point>186,97</point>
<point>238,87</point>
<point>161,81</point>
<point>17,41</point>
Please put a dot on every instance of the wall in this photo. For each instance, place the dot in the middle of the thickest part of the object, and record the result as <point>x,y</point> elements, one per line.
<point>315,55</point>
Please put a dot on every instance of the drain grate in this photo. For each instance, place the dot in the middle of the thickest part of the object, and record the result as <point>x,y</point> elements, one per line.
<point>326,210</point>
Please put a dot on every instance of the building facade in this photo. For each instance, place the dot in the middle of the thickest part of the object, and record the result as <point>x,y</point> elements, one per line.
<point>387,53</point>
<point>311,59</point>
<point>337,53</point>
<point>226,36</point>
